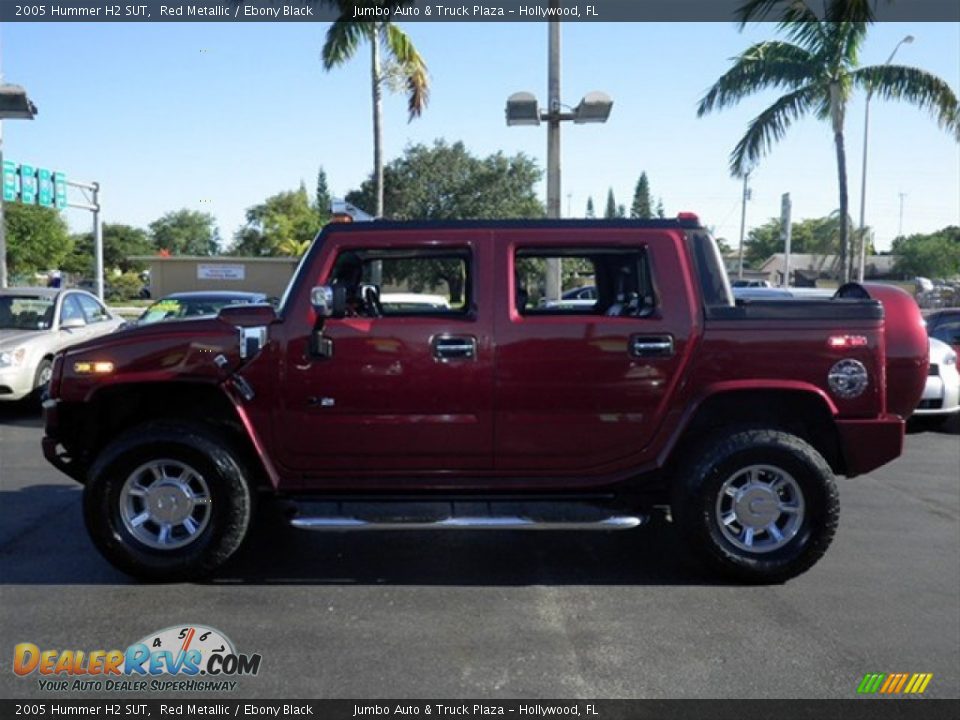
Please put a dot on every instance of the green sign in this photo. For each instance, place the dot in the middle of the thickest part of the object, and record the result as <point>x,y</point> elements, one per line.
<point>10,192</point>
<point>60,190</point>
<point>28,185</point>
<point>44,187</point>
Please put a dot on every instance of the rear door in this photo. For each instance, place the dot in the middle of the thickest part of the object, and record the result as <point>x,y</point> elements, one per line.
<point>582,387</point>
<point>408,388</point>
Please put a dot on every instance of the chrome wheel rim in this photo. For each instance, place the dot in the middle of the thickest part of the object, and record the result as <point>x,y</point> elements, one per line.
<point>760,508</point>
<point>165,504</point>
<point>44,378</point>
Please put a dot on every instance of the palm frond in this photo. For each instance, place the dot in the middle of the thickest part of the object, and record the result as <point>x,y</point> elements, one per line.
<point>343,39</point>
<point>764,65</point>
<point>416,76</point>
<point>771,125</point>
<point>790,11</point>
<point>857,11</point>
<point>916,86</point>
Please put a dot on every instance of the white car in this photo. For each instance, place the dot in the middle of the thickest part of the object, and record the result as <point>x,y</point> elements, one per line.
<point>35,324</point>
<point>941,396</point>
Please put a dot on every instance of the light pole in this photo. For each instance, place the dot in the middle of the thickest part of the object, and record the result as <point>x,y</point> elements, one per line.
<point>743,221</point>
<point>14,103</point>
<point>863,177</point>
<point>523,109</point>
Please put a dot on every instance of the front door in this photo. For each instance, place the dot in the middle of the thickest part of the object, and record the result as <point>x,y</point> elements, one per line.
<point>408,388</point>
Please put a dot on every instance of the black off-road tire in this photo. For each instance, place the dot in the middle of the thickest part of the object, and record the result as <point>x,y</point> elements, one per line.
<point>717,458</point>
<point>202,448</point>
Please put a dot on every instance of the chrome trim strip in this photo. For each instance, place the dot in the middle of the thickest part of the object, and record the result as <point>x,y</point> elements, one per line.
<point>614,522</point>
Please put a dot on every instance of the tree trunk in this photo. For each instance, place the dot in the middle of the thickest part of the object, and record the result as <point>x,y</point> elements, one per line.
<point>836,112</point>
<point>376,81</point>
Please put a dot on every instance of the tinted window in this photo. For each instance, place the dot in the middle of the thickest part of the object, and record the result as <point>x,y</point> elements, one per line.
<point>596,281</point>
<point>23,312</point>
<point>948,330</point>
<point>71,310</point>
<point>94,311</point>
<point>402,283</point>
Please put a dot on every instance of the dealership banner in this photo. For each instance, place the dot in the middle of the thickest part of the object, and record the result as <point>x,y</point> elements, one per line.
<point>203,709</point>
<point>427,11</point>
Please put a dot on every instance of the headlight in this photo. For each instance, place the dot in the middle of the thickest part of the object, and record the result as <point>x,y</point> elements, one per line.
<point>847,379</point>
<point>12,358</point>
<point>950,359</point>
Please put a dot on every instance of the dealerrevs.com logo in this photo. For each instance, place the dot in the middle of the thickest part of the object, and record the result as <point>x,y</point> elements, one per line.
<point>177,659</point>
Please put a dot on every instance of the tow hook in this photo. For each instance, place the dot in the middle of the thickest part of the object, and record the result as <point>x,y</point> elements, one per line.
<point>243,387</point>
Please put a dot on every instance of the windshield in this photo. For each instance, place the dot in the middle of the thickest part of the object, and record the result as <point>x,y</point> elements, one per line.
<point>175,308</point>
<point>25,312</point>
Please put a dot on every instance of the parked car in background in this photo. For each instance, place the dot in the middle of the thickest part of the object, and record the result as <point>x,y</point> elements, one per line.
<point>177,306</point>
<point>35,324</point>
<point>944,325</point>
<point>581,297</point>
<point>941,395</point>
<point>413,302</point>
<point>750,284</point>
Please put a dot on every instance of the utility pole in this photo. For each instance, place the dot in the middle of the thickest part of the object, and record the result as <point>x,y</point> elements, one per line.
<point>554,284</point>
<point>743,220</point>
<point>786,232</point>
<point>94,207</point>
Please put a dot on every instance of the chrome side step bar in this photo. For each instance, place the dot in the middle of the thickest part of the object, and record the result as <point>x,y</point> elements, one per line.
<point>505,522</point>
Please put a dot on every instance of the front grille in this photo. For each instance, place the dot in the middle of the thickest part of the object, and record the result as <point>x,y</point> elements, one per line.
<point>934,369</point>
<point>930,405</point>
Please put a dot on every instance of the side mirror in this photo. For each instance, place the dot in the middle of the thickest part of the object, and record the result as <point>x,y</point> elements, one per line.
<point>329,300</point>
<point>73,324</point>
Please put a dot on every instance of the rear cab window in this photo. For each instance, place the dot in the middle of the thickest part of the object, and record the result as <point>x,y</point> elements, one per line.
<point>610,281</point>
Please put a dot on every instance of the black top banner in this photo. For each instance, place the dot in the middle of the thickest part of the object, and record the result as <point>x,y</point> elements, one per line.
<point>425,11</point>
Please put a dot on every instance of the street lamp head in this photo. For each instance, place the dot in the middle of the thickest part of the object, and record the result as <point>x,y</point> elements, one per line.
<point>523,109</point>
<point>594,108</point>
<point>14,103</point>
<point>908,39</point>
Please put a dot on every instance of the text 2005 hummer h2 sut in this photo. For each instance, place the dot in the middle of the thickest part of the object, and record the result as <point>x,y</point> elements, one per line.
<point>418,376</point>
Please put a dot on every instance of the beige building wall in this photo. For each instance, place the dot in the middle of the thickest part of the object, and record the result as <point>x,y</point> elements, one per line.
<point>186,274</point>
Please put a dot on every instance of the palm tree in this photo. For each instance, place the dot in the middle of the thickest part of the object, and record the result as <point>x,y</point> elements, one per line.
<point>404,62</point>
<point>819,70</point>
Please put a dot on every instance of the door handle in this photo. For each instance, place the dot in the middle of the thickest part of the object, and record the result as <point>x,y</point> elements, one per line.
<point>452,347</point>
<point>651,345</point>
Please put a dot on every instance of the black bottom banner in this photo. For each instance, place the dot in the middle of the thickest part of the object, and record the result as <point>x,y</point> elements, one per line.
<point>872,709</point>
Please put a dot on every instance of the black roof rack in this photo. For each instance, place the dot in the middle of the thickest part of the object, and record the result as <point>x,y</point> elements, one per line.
<point>654,224</point>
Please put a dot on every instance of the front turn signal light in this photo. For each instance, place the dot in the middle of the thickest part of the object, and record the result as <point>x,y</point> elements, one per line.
<point>101,367</point>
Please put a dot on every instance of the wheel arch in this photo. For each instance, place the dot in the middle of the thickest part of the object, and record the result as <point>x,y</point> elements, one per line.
<point>805,411</point>
<point>112,409</point>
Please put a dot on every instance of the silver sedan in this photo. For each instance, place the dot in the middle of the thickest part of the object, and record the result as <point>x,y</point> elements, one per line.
<point>36,323</point>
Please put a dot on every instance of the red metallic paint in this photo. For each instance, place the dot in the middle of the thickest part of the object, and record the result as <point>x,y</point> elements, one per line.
<point>549,403</point>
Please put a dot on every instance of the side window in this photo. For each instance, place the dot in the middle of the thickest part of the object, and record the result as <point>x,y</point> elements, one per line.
<point>94,311</point>
<point>403,283</point>
<point>70,309</point>
<point>948,330</point>
<point>597,281</point>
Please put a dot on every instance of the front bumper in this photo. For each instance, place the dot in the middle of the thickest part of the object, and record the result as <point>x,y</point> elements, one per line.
<point>941,395</point>
<point>53,450</point>
<point>869,444</point>
<point>16,382</point>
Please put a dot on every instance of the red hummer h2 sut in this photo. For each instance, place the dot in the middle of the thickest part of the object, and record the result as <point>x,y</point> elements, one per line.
<point>432,376</point>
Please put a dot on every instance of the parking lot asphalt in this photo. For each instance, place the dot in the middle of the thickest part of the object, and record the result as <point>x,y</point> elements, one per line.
<point>511,615</point>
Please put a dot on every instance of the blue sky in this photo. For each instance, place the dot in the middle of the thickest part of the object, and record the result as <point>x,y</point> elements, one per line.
<point>216,117</point>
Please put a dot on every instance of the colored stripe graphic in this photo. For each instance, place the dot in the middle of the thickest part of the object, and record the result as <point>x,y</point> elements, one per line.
<point>894,683</point>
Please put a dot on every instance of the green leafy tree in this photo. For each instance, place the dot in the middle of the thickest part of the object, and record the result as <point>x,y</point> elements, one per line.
<point>611,210</point>
<point>37,239</point>
<point>186,232</point>
<point>818,236</point>
<point>120,243</point>
<point>819,71</point>
<point>591,212</point>
<point>284,224</point>
<point>642,206</point>
<point>934,255</point>
<point>404,66</point>
<point>322,198</point>
<point>446,182</point>
<point>660,212</point>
